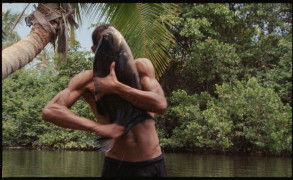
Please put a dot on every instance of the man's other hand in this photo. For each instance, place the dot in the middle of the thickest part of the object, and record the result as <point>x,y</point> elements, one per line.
<point>109,130</point>
<point>107,84</point>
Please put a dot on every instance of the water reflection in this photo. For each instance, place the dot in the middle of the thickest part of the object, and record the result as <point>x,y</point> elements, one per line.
<point>195,165</point>
<point>45,163</point>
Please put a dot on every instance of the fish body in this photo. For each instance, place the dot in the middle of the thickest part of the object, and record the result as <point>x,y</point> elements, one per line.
<point>113,47</point>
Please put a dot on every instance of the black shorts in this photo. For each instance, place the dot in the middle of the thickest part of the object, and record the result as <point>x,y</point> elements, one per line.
<point>150,168</point>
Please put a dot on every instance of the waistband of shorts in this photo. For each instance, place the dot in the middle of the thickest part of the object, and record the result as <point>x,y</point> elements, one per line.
<point>147,162</point>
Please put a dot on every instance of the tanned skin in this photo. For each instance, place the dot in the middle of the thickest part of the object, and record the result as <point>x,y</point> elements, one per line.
<point>141,142</point>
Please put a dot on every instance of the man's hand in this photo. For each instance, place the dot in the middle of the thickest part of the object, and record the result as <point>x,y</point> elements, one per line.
<point>109,130</point>
<point>107,84</point>
<point>151,98</point>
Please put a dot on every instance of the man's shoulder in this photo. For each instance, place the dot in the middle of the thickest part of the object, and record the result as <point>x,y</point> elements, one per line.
<point>81,79</point>
<point>84,74</point>
<point>145,67</point>
<point>143,61</point>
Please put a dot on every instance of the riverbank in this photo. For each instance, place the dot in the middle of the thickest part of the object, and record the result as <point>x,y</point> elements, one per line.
<point>231,151</point>
<point>171,150</point>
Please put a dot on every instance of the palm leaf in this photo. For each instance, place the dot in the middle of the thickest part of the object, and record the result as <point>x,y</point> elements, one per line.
<point>80,9</point>
<point>142,27</point>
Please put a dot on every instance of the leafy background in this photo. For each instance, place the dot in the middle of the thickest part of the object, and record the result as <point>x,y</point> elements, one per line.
<point>228,84</point>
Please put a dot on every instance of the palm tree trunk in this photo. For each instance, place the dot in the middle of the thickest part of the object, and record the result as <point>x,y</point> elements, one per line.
<point>24,51</point>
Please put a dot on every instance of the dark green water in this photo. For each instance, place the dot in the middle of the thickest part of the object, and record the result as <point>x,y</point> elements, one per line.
<point>45,163</point>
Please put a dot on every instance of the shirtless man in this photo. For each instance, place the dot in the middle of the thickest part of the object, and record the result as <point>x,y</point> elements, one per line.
<point>137,153</point>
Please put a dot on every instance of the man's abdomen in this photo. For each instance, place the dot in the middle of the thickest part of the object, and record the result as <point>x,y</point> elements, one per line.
<point>139,144</point>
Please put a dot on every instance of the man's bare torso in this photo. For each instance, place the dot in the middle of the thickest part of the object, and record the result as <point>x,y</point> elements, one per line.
<point>139,144</point>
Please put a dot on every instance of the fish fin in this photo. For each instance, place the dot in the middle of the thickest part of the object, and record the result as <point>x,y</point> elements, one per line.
<point>105,144</point>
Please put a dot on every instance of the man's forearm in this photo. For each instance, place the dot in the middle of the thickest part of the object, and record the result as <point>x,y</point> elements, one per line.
<point>63,117</point>
<point>146,100</point>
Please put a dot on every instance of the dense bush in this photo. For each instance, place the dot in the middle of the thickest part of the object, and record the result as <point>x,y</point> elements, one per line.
<point>245,116</point>
<point>229,84</point>
<point>26,92</point>
<point>219,43</point>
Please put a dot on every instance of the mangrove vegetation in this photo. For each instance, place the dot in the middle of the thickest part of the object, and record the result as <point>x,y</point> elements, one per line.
<point>228,85</point>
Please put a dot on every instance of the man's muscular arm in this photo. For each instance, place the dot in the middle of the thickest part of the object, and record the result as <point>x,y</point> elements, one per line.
<point>57,110</point>
<point>151,98</point>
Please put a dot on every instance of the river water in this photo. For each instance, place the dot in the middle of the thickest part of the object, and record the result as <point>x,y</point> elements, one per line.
<point>61,163</point>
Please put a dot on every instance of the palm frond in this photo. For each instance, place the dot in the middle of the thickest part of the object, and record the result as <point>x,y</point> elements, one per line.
<point>8,19</point>
<point>142,26</point>
<point>99,12</point>
<point>79,8</point>
<point>72,36</point>
<point>19,17</point>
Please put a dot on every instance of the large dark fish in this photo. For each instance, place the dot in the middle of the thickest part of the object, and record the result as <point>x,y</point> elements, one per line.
<point>113,47</point>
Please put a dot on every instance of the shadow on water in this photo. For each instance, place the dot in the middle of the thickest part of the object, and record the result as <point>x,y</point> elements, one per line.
<point>46,163</point>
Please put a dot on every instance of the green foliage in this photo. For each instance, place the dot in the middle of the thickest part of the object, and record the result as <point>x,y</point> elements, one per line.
<point>207,38</point>
<point>60,138</point>
<point>212,61</point>
<point>143,26</point>
<point>8,36</point>
<point>225,44</point>
<point>258,115</point>
<point>273,65</point>
<point>192,127</point>
<point>221,43</point>
<point>76,62</point>
<point>24,95</point>
<point>246,116</point>
<point>268,17</point>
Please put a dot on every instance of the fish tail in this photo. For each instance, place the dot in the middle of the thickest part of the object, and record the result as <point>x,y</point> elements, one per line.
<point>105,144</point>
